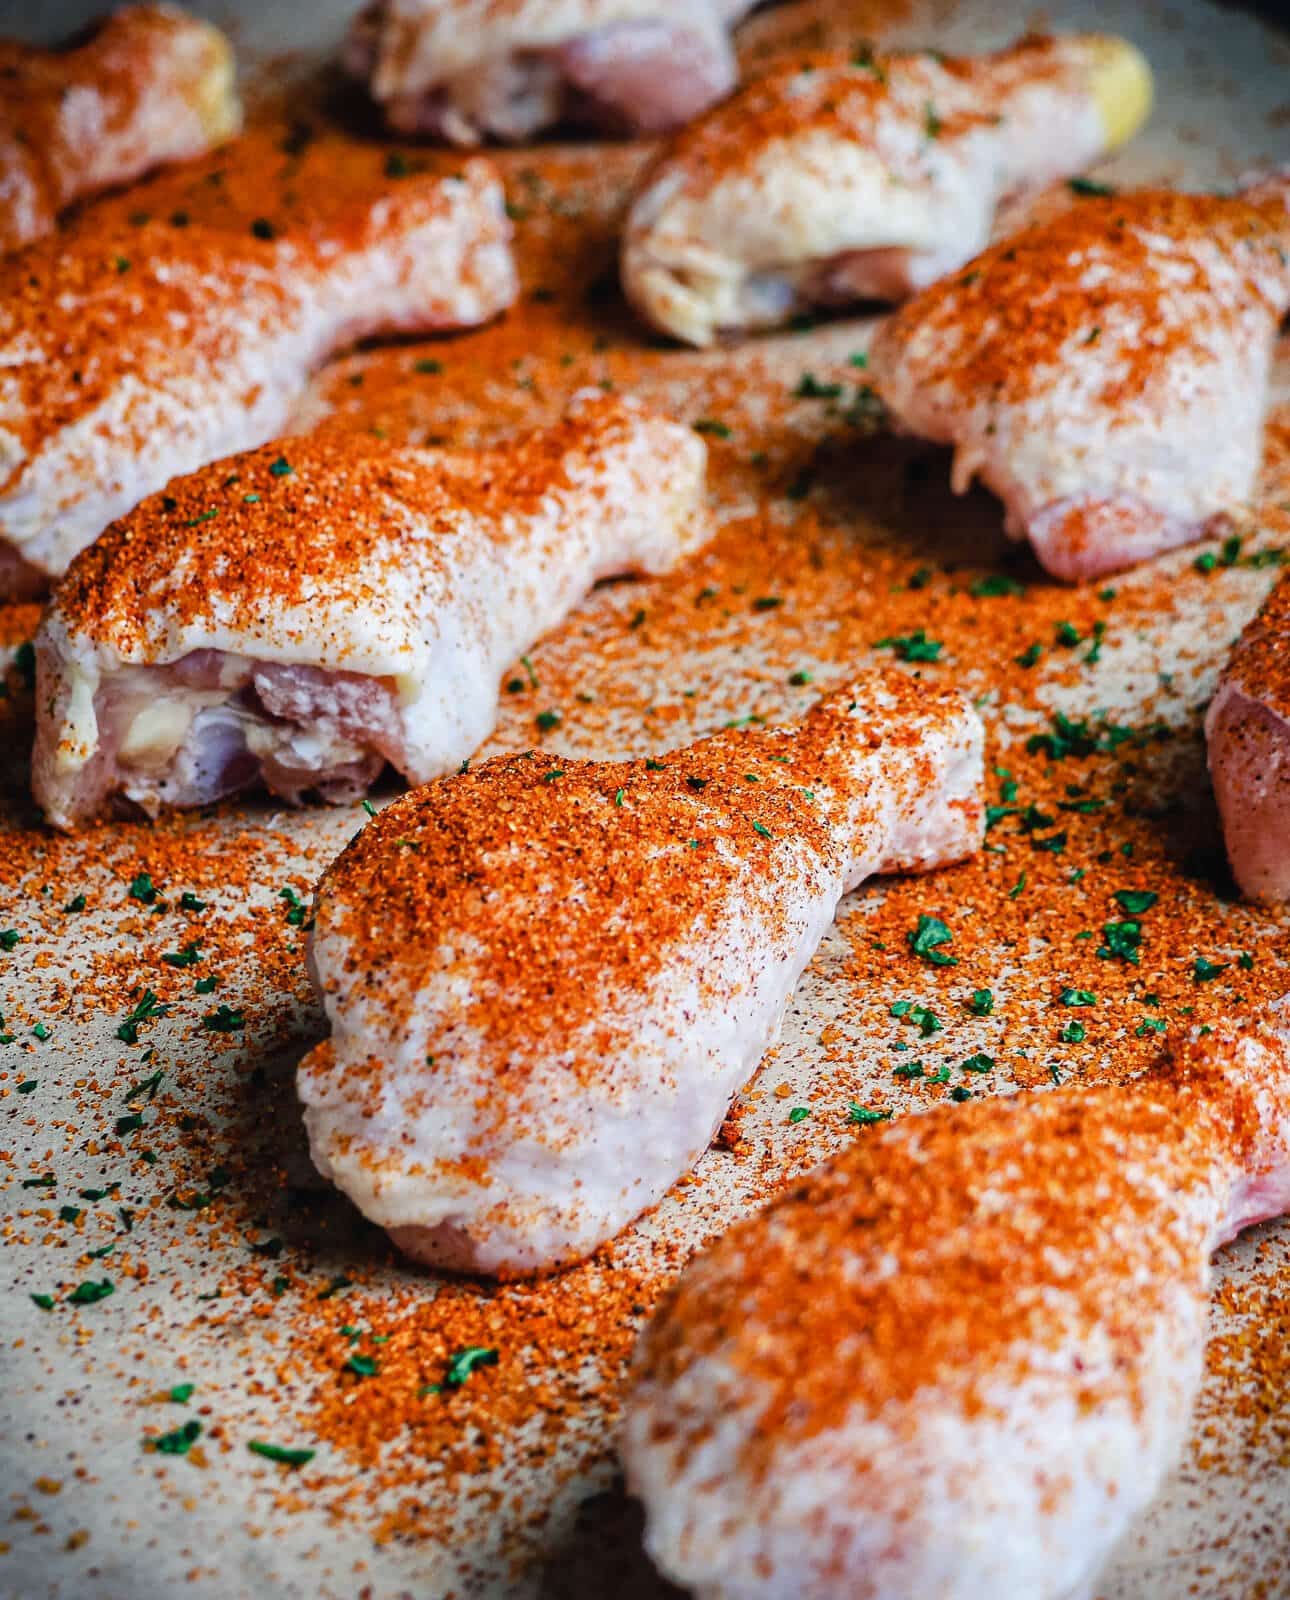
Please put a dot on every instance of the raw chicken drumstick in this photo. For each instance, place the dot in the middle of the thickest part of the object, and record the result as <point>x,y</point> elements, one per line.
<point>147,86</point>
<point>465,70</point>
<point>1105,372</point>
<point>547,978</point>
<point>958,1359</point>
<point>847,177</point>
<point>1247,730</point>
<point>300,615</point>
<point>129,357</point>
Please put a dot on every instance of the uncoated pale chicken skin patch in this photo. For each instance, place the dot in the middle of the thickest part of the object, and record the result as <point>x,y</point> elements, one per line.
<point>301,615</point>
<point>1104,372</point>
<point>130,354</point>
<point>851,176</point>
<point>149,85</point>
<point>547,978</point>
<point>959,1358</point>
<point>466,70</point>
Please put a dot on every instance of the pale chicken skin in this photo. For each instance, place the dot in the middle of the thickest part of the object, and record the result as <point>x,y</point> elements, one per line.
<point>959,1358</point>
<point>1104,372</point>
<point>1247,734</point>
<point>298,616</point>
<point>133,353</point>
<point>149,85</point>
<point>847,176</point>
<point>547,978</point>
<point>467,70</point>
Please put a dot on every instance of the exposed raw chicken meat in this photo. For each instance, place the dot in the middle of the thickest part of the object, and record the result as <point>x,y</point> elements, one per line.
<point>547,978</point>
<point>148,85</point>
<point>1106,371</point>
<point>1247,730</point>
<point>847,177</point>
<point>301,614</point>
<point>129,355</point>
<point>465,70</point>
<point>957,1360</point>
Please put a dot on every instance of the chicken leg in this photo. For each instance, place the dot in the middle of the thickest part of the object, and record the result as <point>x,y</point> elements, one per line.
<point>844,177</point>
<point>465,70</point>
<point>1105,372</point>
<point>957,1359</point>
<point>302,614</point>
<point>129,357</point>
<point>547,978</point>
<point>148,85</point>
<point>1247,731</point>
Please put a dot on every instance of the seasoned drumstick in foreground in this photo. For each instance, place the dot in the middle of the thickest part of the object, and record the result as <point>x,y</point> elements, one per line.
<point>1105,372</point>
<point>147,86</point>
<point>1247,731</point>
<point>466,70</point>
<point>128,357</point>
<point>300,615</point>
<point>547,978</point>
<point>958,1359</point>
<point>848,176</point>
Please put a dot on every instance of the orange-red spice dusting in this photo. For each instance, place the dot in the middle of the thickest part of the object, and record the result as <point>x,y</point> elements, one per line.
<point>833,538</point>
<point>1025,300</point>
<point>841,92</point>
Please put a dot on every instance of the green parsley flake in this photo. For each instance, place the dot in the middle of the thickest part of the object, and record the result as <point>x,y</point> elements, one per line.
<point>980,1062</point>
<point>90,1293</point>
<point>1204,971</point>
<point>809,387</point>
<point>914,646</point>
<point>224,1020</point>
<point>1136,901</point>
<point>863,1117</point>
<point>1122,942</point>
<point>982,1002</point>
<point>1078,997</point>
<point>178,1442</point>
<point>925,938</point>
<point>464,1363</point>
<point>799,1113</point>
<point>996,585</point>
<point>280,1453</point>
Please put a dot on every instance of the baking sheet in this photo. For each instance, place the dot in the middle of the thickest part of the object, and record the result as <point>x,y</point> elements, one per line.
<point>229,1275</point>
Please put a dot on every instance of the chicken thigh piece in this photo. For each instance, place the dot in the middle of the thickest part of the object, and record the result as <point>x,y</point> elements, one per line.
<point>1104,372</point>
<point>1247,732</point>
<point>148,85</point>
<point>466,70</point>
<point>547,978</point>
<point>846,177</point>
<point>958,1359</point>
<point>130,356</point>
<point>300,615</point>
